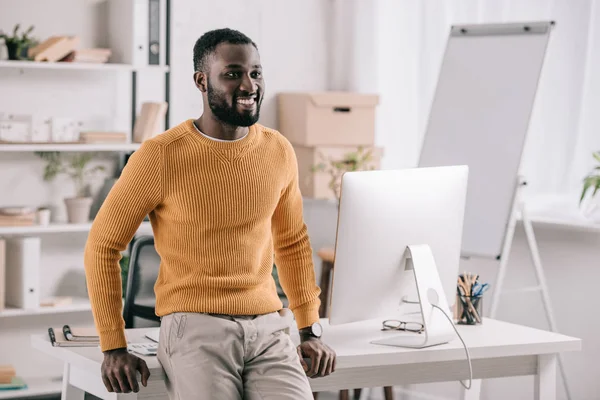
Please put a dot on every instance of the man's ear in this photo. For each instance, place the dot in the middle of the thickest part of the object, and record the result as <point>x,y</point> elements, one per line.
<point>200,81</point>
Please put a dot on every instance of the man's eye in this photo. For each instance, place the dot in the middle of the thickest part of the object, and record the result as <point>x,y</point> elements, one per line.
<point>232,74</point>
<point>256,74</point>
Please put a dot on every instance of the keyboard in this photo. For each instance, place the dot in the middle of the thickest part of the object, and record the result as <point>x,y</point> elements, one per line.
<point>144,349</point>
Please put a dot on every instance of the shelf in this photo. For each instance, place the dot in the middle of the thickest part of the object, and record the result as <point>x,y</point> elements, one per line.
<point>559,211</point>
<point>56,228</point>
<point>79,66</point>
<point>565,221</point>
<point>35,387</point>
<point>78,305</point>
<point>68,147</point>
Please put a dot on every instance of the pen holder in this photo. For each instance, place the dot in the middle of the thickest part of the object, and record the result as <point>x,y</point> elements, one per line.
<point>468,310</point>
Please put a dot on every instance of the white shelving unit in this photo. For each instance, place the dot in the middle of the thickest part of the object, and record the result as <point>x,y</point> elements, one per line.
<point>145,227</point>
<point>37,386</point>
<point>69,66</point>
<point>77,305</point>
<point>560,212</point>
<point>116,113</point>
<point>68,147</point>
<point>565,222</point>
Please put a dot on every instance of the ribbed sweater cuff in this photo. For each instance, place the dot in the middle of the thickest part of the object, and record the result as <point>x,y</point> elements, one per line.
<point>307,314</point>
<point>114,339</point>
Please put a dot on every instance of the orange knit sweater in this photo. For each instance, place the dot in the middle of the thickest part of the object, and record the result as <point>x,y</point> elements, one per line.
<point>219,210</point>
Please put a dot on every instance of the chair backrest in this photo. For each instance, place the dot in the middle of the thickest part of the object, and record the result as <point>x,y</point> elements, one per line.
<point>140,300</point>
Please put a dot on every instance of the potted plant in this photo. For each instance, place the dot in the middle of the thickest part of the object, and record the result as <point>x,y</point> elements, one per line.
<point>358,160</point>
<point>78,207</point>
<point>18,45</point>
<point>591,183</point>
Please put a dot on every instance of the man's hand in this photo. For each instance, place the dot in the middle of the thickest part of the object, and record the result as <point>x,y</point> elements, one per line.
<point>119,371</point>
<point>322,357</point>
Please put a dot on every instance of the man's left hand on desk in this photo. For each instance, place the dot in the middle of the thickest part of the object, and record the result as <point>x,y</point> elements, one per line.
<point>322,357</point>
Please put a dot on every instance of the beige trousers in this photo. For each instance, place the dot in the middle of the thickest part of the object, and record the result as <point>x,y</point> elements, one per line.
<point>209,356</point>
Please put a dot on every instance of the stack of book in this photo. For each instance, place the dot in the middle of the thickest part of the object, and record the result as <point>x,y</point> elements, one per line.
<point>9,379</point>
<point>98,56</point>
<point>17,216</point>
<point>54,48</point>
<point>65,48</point>
<point>102,137</point>
<point>74,337</point>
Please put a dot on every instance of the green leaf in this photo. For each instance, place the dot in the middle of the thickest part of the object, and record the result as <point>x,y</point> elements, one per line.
<point>586,185</point>
<point>596,155</point>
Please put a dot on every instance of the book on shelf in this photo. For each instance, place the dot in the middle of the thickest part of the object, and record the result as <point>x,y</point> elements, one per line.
<point>147,123</point>
<point>54,48</point>
<point>16,383</point>
<point>102,137</point>
<point>16,217</point>
<point>9,379</point>
<point>56,301</point>
<point>96,55</point>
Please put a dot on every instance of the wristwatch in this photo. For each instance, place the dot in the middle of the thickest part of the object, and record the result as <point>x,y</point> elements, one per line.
<point>315,330</point>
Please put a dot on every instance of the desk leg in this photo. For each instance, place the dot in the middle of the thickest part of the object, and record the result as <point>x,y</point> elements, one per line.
<point>472,394</point>
<point>70,392</point>
<point>545,380</point>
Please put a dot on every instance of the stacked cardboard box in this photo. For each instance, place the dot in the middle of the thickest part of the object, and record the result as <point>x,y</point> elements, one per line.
<point>329,131</point>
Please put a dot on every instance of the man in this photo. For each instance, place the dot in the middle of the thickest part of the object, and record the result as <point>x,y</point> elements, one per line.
<point>222,195</point>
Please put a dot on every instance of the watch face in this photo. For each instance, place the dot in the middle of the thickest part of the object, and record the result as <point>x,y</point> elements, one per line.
<point>317,329</point>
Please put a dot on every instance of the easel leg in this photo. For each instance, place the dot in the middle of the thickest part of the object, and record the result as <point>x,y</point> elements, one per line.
<point>541,278</point>
<point>506,247</point>
<point>475,392</point>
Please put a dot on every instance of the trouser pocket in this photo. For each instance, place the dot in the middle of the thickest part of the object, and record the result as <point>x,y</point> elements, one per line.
<point>172,330</point>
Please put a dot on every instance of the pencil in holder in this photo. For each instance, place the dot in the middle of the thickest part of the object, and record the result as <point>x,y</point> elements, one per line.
<point>469,310</point>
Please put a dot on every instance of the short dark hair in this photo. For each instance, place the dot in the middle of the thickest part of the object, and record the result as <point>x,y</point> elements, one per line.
<point>208,42</point>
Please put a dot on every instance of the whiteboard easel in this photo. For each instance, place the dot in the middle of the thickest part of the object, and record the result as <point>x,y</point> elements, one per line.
<point>480,117</point>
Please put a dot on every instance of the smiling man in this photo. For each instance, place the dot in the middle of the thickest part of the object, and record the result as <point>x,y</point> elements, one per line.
<point>222,195</point>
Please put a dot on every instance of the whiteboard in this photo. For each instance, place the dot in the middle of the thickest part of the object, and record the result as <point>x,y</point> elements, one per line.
<point>479,117</point>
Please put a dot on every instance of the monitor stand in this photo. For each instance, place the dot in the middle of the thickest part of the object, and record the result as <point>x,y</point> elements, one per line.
<point>437,328</point>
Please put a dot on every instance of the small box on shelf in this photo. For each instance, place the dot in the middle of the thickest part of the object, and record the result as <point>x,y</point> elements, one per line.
<point>37,128</point>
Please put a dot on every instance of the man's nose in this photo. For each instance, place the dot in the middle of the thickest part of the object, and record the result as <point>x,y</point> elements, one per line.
<point>248,84</point>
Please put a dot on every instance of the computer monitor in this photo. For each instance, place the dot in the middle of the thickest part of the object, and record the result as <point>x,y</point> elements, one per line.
<point>399,238</point>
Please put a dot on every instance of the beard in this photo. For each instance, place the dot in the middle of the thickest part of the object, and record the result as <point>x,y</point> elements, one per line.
<point>229,114</point>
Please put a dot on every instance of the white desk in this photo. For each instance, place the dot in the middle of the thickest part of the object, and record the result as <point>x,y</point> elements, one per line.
<point>497,349</point>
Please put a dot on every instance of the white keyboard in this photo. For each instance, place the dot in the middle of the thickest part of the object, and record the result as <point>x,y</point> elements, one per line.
<point>144,349</point>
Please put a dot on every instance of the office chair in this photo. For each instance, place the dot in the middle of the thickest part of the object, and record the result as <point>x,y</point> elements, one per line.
<point>139,293</point>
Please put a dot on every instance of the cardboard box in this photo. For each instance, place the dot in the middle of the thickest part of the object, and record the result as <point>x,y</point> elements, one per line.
<point>327,118</point>
<point>316,183</point>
